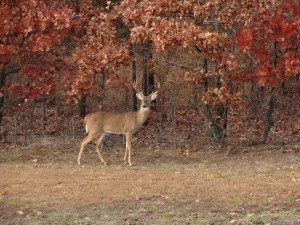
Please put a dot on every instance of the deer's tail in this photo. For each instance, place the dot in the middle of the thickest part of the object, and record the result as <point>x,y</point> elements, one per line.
<point>86,127</point>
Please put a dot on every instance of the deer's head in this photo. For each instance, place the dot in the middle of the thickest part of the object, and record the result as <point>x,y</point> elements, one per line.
<point>146,100</point>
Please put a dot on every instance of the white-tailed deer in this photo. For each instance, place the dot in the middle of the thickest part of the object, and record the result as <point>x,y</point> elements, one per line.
<point>100,123</point>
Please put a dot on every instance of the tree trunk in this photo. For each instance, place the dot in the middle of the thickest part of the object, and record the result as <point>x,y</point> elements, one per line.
<point>214,127</point>
<point>269,121</point>
<point>2,77</point>
<point>82,106</point>
<point>148,75</point>
<point>222,111</point>
<point>133,75</point>
<point>1,107</point>
<point>44,112</point>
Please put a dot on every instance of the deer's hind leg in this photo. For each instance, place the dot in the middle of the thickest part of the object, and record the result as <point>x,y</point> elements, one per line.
<point>98,142</point>
<point>84,142</point>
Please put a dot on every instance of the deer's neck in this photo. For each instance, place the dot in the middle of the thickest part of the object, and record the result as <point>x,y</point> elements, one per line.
<point>142,115</point>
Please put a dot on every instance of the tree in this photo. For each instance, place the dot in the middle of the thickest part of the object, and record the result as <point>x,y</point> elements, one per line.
<point>100,51</point>
<point>169,25</point>
<point>271,44</point>
<point>163,26</point>
<point>211,29</point>
<point>29,28</point>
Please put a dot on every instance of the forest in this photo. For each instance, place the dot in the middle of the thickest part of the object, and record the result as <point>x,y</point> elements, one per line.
<point>227,79</point>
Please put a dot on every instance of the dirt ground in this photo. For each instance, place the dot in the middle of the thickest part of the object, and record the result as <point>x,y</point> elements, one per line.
<point>42,184</point>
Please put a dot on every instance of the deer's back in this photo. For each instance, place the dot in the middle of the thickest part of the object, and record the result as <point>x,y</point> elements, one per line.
<point>110,122</point>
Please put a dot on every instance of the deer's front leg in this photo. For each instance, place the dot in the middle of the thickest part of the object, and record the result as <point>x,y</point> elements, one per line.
<point>125,156</point>
<point>128,149</point>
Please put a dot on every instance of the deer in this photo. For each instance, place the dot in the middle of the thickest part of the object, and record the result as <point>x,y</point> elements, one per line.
<point>99,124</point>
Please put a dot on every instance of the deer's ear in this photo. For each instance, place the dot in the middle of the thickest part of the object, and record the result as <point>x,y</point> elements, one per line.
<point>139,96</point>
<point>153,95</point>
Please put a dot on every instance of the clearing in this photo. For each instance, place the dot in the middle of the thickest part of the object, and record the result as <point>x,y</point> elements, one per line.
<point>42,184</point>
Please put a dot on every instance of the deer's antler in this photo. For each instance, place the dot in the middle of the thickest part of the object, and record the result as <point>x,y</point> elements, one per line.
<point>134,88</point>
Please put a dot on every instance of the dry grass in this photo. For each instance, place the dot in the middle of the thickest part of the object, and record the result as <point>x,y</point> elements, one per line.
<point>42,184</point>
